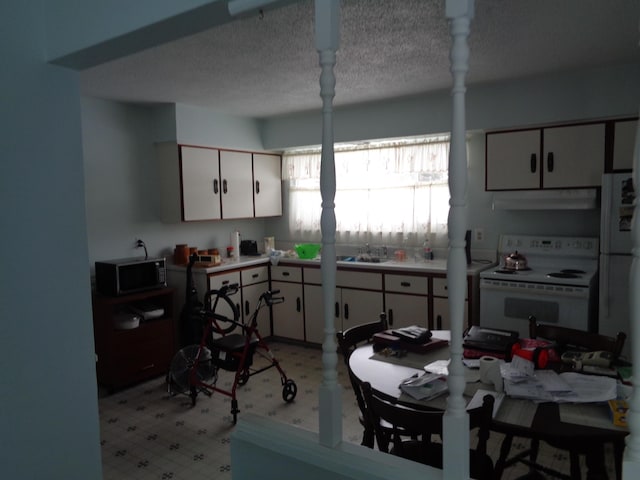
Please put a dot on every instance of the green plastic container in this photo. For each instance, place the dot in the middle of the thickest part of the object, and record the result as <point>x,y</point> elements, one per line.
<point>308,250</point>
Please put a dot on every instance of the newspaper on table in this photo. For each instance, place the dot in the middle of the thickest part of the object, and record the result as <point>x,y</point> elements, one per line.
<point>522,381</point>
<point>425,386</point>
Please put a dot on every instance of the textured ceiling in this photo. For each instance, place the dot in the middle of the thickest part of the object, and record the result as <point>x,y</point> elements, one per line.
<point>389,48</point>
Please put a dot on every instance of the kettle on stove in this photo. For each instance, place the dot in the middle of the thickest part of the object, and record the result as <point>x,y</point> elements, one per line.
<point>515,261</point>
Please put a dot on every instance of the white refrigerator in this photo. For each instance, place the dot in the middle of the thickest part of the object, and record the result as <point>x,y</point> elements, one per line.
<point>615,255</point>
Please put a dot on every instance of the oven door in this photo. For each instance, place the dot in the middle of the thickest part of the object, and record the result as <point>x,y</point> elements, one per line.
<point>508,305</point>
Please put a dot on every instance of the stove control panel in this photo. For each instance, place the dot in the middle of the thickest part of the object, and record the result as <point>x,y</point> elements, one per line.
<point>540,245</point>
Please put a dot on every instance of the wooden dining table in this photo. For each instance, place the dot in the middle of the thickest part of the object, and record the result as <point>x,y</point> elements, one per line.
<point>560,425</point>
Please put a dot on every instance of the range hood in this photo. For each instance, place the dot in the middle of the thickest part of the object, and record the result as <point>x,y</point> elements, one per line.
<point>574,199</point>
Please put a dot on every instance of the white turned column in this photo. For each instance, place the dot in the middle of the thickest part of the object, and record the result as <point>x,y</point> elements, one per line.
<point>327,24</point>
<point>456,420</point>
<point>631,464</point>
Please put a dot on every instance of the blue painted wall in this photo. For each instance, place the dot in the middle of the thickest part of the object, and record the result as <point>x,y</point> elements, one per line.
<point>48,394</point>
<point>122,199</point>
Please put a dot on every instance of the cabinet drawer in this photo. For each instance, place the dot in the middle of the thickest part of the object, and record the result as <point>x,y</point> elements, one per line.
<point>313,275</point>
<point>440,288</point>
<point>406,284</point>
<point>219,280</point>
<point>254,275</point>
<point>286,274</point>
<point>146,360</point>
<point>369,281</point>
<point>346,278</point>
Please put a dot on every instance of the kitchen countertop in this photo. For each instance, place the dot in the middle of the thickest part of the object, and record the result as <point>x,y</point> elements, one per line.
<point>226,264</point>
<point>431,266</point>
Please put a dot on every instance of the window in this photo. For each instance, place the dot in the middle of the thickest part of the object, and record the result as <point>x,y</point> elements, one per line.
<point>387,192</point>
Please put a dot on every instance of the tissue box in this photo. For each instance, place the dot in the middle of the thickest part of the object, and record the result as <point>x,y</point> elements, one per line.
<point>618,409</point>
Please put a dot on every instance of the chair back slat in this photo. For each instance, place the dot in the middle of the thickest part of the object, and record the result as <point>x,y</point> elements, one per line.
<point>422,424</point>
<point>349,339</point>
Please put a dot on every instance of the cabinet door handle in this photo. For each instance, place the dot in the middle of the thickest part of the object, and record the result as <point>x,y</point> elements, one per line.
<point>225,282</point>
<point>215,186</point>
<point>285,274</point>
<point>224,186</point>
<point>257,186</point>
<point>337,310</point>
<point>550,161</point>
<point>148,367</point>
<point>390,317</point>
<point>246,307</point>
<point>298,304</point>
<point>255,275</point>
<point>405,284</point>
<point>346,311</point>
<point>534,163</point>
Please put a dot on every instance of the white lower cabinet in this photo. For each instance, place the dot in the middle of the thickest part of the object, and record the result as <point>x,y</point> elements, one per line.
<point>358,306</point>
<point>288,317</point>
<point>217,281</point>
<point>441,313</point>
<point>314,314</point>
<point>406,300</point>
<point>352,307</point>
<point>359,299</point>
<point>406,310</point>
<point>255,281</point>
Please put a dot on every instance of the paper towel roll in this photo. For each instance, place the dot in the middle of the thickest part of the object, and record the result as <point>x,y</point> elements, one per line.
<point>490,372</point>
<point>235,243</point>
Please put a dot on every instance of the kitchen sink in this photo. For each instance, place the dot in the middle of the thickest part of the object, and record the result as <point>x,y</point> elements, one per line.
<point>361,258</point>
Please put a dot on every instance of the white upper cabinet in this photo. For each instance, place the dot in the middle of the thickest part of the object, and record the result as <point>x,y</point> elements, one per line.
<point>237,184</point>
<point>200,183</point>
<point>553,157</point>
<point>267,185</point>
<point>189,182</point>
<point>573,156</point>
<point>513,160</point>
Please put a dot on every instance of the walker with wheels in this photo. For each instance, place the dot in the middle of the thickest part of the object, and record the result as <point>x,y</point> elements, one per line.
<point>194,368</point>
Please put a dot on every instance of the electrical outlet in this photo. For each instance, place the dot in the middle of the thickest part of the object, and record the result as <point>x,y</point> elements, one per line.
<point>478,234</point>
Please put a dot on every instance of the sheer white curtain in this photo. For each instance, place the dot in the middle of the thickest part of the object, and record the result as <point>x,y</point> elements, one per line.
<point>389,192</point>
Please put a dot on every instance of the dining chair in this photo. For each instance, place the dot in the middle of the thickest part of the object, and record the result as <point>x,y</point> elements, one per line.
<point>422,425</point>
<point>564,338</point>
<point>348,341</point>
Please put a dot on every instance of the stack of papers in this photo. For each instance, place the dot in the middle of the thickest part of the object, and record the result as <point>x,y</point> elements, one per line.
<point>425,386</point>
<point>547,385</point>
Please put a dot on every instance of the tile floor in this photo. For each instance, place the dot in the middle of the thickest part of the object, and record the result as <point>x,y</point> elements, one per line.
<point>147,434</point>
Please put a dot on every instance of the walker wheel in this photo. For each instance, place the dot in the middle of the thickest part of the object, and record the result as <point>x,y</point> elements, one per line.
<point>289,391</point>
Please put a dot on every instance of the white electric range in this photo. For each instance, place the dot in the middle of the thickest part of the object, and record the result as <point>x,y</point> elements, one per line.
<point>558,285</point>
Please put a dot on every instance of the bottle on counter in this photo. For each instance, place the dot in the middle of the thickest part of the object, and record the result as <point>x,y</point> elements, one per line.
<point>427,253</point>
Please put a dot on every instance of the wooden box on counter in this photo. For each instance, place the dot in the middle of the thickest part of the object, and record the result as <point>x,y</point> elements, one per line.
<point>127,356</point>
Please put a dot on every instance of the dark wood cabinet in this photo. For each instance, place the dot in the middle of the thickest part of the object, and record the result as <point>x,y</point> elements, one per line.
<point>128,356</point>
